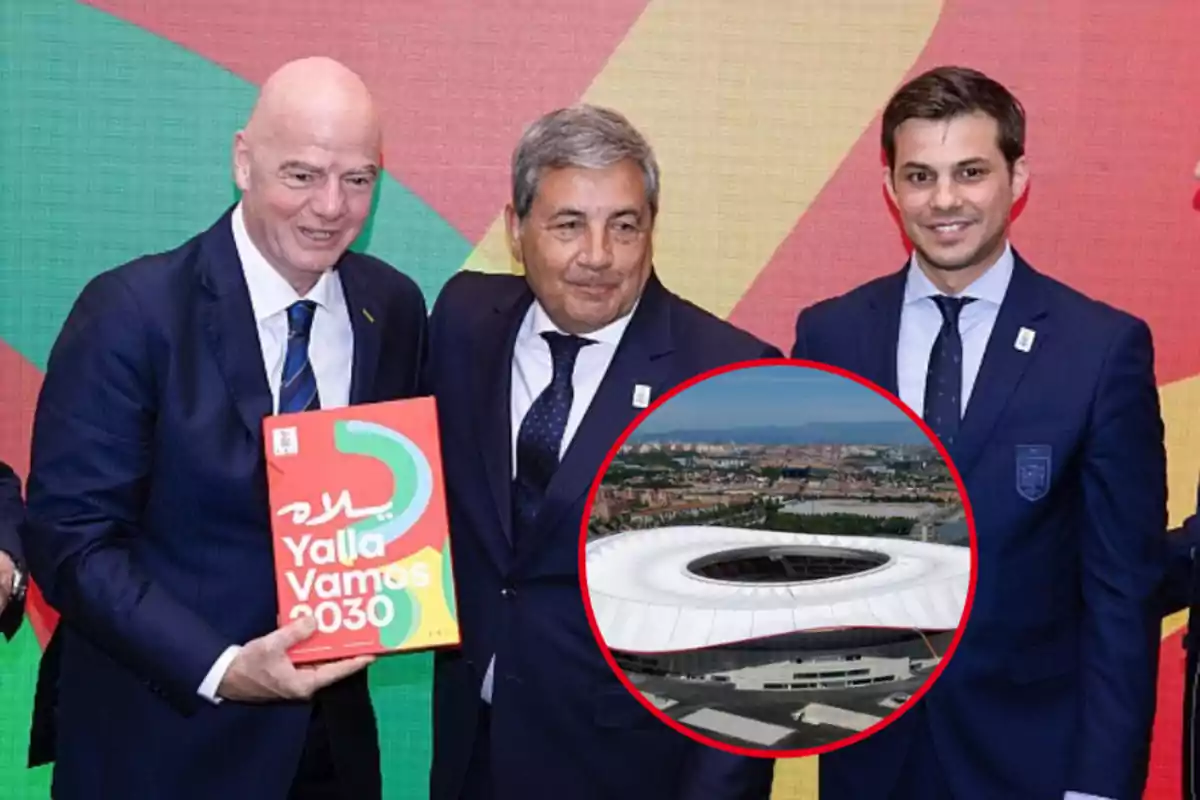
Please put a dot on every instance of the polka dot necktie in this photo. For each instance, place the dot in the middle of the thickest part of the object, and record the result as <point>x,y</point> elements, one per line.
<point>298,386</point>
<point>540,437</point>
<point>943,381</point>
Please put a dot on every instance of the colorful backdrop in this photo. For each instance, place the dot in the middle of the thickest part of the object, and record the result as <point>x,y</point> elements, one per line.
<point>119,116</point>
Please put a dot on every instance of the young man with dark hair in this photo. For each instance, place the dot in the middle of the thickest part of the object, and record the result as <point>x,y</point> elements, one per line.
<point>1046,401</point>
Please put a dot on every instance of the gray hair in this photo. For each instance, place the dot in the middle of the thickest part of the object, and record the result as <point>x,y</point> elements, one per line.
<point>585,136</point>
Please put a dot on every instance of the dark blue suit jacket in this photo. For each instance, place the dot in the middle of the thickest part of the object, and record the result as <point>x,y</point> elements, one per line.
<point>1182,590</point>
<point>1053,685</point>
<point>12,512</point>
<point>1182,585</point>
<point>149,524</point>
<point>562,724</point>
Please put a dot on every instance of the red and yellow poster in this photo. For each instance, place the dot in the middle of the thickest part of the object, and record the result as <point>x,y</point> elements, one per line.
<point>359,525</point>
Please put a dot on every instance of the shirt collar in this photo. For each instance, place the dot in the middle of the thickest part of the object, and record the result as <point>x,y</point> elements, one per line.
<point>270,294</point>
<point>989,287</point>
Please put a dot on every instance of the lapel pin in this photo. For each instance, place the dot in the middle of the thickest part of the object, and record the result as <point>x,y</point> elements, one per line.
<point>367,314</point>
<point>1024,341</point>
<point>641,396</point>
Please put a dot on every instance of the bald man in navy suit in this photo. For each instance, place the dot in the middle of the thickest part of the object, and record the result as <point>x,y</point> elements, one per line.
<point>149,524</point>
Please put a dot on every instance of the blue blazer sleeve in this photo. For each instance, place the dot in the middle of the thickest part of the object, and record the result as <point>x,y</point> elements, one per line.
<point>1183,544</point>
<point>92,457</point>
<point>800,345</point>
<point>12,513</point>
<point>1123,487</point>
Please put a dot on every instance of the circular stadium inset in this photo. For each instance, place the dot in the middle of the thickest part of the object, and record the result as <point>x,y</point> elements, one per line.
<point>777,572</point>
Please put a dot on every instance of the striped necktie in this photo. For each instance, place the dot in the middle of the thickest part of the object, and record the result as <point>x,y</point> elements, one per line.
<point>298,387</point>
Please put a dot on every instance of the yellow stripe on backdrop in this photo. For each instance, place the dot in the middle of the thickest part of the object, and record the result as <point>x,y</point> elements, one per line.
<point>795,779</point>
<point>1181,412</point>
<point>751,106</point>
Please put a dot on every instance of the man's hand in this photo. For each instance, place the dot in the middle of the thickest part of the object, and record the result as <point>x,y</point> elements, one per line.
<point>263,672</point>
<point>7,570</point>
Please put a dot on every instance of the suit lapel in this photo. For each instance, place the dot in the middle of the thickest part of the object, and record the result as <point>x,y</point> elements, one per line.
<point>493,346</point>
<point>229,325</point>
<point>647,338</point>
<point>1003,364</point>
<point>366,320</point>
<point>881,332</point>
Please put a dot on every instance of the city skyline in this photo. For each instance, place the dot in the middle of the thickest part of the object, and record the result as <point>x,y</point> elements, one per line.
<point>772,397</point>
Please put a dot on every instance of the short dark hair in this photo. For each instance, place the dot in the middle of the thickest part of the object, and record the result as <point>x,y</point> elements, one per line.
<point>946,92</point>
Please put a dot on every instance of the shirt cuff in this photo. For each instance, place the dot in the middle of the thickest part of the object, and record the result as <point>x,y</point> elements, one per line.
<point>485,691</point>
<point>212,681</point>
<point>1082,796</point>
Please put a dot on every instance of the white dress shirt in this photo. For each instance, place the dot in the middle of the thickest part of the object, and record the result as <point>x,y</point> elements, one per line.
<point>920,322</point>
<point>330,351</point>
<point>532,371</point>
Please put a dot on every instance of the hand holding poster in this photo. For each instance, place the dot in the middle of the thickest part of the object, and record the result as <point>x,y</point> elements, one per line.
<point>359,526</point>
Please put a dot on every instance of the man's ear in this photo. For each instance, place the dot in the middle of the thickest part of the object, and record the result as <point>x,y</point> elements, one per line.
<point>512,229</point>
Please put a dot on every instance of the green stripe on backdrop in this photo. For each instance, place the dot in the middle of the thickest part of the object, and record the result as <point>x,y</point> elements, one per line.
<point>18,677</point>
<point>116,143</point>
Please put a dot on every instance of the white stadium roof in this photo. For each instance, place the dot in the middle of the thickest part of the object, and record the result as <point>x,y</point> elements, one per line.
<point>646,600</point>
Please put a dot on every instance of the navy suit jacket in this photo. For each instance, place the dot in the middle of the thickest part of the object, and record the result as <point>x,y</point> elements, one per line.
<point>1181,589</point>
<point>12,512</point>
<point>562,725</point>
<point>1052,687</point>
<point>149,524</point>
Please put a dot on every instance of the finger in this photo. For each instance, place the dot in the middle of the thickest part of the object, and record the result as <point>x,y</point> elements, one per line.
<point>324,674</point>
<point>291,634</point>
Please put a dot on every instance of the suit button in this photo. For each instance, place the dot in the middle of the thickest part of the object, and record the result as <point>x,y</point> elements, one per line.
<point>508,592</point>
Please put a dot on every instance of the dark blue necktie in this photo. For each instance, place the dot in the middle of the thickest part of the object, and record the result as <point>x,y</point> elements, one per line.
<point>298,386</point>
<point>541,434</point>
<point>943,381</point>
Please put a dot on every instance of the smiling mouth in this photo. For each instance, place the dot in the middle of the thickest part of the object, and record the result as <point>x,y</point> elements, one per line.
<point>317,235</point>
<point>592,288</point>
<point>950,227</point>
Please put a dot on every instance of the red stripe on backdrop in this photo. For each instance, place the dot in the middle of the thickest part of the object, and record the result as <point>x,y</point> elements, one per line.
<point>1166,769</point>
<point>456,81</point>
<point>18,395</point>
<point>1111,91</point>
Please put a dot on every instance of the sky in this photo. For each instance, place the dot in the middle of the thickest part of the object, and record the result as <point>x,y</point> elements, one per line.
<point>771,396</point>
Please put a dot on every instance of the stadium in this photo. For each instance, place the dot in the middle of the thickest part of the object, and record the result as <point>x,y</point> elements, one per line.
<point>775,640</point>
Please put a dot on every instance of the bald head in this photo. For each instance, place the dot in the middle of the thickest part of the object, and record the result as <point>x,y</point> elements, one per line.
<point>319,95</point>
<point>307,163</point>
